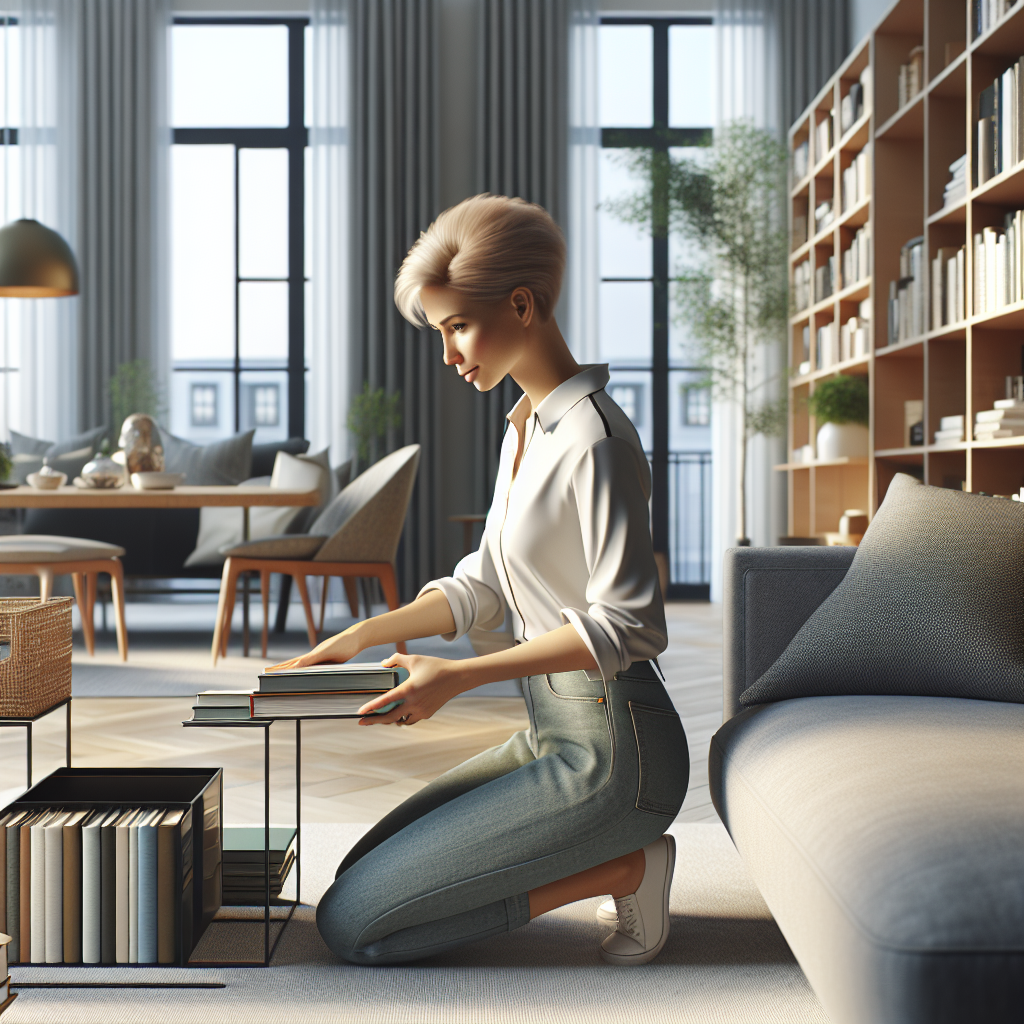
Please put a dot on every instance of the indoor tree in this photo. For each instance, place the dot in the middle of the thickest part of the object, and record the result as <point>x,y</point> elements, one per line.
<point>727,206</point>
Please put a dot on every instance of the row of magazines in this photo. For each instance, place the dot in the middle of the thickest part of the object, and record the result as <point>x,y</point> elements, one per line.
<point>93,886</point>
<point>320,691</point>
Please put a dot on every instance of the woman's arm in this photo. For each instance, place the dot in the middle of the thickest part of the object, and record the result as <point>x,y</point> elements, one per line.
<point>433,682</point>
<point>429,615</point>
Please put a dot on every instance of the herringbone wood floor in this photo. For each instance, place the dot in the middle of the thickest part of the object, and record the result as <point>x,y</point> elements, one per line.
<point>351,774</point>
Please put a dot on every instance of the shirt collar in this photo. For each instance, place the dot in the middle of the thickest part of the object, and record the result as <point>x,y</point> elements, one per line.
<point>591,378</point>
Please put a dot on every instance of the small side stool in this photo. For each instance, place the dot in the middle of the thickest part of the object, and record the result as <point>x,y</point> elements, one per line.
<point>44,556</point>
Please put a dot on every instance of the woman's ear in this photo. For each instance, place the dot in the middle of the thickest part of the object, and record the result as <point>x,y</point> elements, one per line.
<point>522,303</point>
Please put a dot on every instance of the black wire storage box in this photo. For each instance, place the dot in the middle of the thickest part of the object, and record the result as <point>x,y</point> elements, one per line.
<point>198,792</point>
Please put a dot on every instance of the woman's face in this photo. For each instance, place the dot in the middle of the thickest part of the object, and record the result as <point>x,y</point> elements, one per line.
<point>483,341</point>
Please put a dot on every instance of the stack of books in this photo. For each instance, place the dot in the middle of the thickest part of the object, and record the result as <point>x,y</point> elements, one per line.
<point>988,13</point>
<point>999,138</point>
<point>999,264</point>
<point>825,279</point>
<point>906,296</point>
<point>320,691</point>
<point>827,351</point>
<point>823,216</point>
<point>94,886</point>
<point>956,187</point>
<point>854,335</point>
<point>1005,420</point>
<point>800,162</point>
<point>857,258</point>
<point>851,109</point>
<point>911,79</point>
<point>857,180</point>
<point>949,295</point>
<point>244,862</point>
<point>951,430</point>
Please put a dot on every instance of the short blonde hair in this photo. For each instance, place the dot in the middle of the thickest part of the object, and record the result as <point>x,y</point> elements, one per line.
<point>486,246</point>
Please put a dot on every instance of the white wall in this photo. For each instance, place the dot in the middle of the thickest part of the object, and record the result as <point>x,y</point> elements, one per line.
<point>864,15</point>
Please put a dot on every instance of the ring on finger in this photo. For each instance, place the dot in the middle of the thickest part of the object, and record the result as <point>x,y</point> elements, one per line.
<point>403,720</point>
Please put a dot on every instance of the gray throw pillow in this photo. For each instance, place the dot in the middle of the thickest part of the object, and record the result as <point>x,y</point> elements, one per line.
<point>932,606</point>
<point>223,462</point>
<point>22,444</point>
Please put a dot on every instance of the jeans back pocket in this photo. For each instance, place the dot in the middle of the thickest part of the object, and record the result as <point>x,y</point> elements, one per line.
<point>664,759</point>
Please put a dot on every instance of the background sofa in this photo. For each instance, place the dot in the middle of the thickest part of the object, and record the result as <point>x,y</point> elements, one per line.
<point>886,833</point>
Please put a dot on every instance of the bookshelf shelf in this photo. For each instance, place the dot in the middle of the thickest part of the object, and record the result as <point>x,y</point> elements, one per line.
<point>921,51</point>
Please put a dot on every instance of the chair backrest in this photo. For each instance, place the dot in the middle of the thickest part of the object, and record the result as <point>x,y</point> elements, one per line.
<point>364,523</point>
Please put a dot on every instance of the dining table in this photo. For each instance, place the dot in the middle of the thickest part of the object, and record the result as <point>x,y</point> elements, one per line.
<point>241,496</point>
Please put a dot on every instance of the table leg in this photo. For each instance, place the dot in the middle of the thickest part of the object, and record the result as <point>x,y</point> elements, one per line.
<point>67,737</point>
<point>266,845</point>
<point>28,753</point>
<point>245,590</point>
<point>298,810</point>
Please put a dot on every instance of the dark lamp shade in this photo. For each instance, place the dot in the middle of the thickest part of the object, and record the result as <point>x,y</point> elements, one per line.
<point>35,262</point>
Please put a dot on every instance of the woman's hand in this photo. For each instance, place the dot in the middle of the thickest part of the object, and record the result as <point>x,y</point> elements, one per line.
<point>431,684</point>
<point>340,647</point>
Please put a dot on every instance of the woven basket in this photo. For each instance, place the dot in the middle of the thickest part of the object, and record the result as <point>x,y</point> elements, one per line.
<point>36,674</point>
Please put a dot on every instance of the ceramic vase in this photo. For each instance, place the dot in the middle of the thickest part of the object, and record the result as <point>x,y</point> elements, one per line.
<point>140,439</point>
<point>842,440</point>
<point>103,472</point>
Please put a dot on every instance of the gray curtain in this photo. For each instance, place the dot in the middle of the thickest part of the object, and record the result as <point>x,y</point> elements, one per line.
<point>393,53</point>
<point>122,140</point>
<point>522,151</point>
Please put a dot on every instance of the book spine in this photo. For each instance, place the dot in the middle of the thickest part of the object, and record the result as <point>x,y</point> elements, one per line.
<point>121,951</point>
<point>147,926</point>
<point>13,845</point>
<point>37,894</point>
<point>25,840</point>
<point>3,884</point>
<point>108,895</point>
<point>133,894</point>
<point>53,864</point>
<point>91,896</point>
<point>167,837</point>
<point>73,893</point>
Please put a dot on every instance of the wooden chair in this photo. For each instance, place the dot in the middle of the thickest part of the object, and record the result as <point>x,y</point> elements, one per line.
<point>43,556</point>
<point>355,537</point>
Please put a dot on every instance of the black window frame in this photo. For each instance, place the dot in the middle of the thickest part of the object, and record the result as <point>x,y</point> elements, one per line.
<point>294,138</point>
<point>660,138</point>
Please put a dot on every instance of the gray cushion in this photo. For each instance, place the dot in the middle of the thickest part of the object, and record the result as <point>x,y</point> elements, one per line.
<point>932,605</point>
<point>886,835</point>
<point>223,462</point>
<point>263,455</point>
<point>69,456</point>
<point>71,463</point>
<point>31,548</point>
<point>294,547</point>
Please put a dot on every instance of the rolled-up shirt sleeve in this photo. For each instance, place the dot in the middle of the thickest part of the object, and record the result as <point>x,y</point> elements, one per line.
<point>473,591</point>
<point>624,620</point>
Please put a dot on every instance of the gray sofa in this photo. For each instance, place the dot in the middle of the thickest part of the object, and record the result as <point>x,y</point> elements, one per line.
<point>886,833</point>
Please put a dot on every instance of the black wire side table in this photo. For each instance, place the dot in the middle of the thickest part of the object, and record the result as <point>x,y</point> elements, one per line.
<point>265,724</point>
<point>27,723</point>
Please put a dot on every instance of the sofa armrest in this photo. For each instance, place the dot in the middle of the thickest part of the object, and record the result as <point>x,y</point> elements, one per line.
<point>768,594</point>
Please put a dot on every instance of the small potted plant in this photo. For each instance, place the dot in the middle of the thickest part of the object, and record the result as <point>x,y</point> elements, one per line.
<point>841,406</point>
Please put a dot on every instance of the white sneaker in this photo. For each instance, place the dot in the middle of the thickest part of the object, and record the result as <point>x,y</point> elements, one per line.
<point>607,912</point>
<point>643,920</point>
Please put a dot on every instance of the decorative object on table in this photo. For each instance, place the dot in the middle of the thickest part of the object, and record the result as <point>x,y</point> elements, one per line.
<point>35,262</point>
<point>6,996</point>
<point>48,478</point>
<point>913,423</point>
<point>841,405</point>
<point>69,456</point>
<point>102,472</point>
<point>244,863</point>
<point>89,817</point>
<point>156,481</point>
<point>44,556</point>
<point>37,673</point>
<point>356,536</point>
<point>140,442</point>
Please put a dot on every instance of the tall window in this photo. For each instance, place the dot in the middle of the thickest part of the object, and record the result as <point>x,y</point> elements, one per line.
<point>656,82</point>
<point>10,209</point>
<point>238,253</point>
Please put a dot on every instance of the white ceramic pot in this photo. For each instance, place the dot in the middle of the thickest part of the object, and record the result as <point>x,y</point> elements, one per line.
<point>842,440</point>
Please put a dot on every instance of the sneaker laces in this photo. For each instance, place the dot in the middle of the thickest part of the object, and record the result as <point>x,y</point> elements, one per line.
<point>630,921</point>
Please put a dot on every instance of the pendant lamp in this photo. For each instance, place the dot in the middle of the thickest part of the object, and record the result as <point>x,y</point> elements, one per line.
<point>35,262</point>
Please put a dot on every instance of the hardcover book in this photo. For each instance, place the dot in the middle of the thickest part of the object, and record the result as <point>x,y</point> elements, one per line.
<point>349,676</point>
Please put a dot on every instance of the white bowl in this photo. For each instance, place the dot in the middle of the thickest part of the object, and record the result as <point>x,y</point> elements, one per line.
<point>156,481</point>
<point>47,482</point>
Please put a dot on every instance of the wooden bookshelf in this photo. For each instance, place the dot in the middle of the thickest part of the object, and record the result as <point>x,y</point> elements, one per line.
<point>955,368</point>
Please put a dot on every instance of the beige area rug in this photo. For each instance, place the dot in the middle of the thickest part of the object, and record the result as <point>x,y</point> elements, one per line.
<point>725,961</point>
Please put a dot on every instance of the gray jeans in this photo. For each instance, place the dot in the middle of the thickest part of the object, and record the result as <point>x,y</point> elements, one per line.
<point>601,772</point>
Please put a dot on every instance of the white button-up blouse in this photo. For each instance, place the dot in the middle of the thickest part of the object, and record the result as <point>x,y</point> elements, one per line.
<point>568,540</point>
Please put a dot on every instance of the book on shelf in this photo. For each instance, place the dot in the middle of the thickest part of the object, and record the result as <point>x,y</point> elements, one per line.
<point>949,436</point>
<point>911,77</point>
<point>986,14</point>
<point>802,285</point>
<point>826,279</point>
<point>827,353</point>
<point>72,887</point>
<point>999,264</point>
<point>316,703</point>
<point>851,109</point>
<point>800,162</point>
<point>999,129</point>
<point>947,289</point>
<point>348,676</point>
<point>952,422</point>
<point>854,335</point>
<point>244,863</point>
<point>823,137</point>
<point>906,295</point>
<point>823,215</point>
<point>999,415</point>
<point>956,187</point>
<point>208,712</point>
<point>856,183</point>
<point>998,432</point>
<point>857,257</point>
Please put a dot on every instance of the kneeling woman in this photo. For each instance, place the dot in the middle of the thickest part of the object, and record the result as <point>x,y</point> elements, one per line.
<point>574,807</point>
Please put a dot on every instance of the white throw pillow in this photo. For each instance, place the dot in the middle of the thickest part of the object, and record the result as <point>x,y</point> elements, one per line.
<point>219,527</point>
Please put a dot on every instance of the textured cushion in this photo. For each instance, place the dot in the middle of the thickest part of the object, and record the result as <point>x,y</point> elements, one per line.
<point>29,547</point>
<point>294,546</point>
<point>327,485</point>
<point>263,455</point>
<point>223,462</point>
<point>71,463</point>
<point>932,605</point>
<point>886,835</point>
<point>22,444</point>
